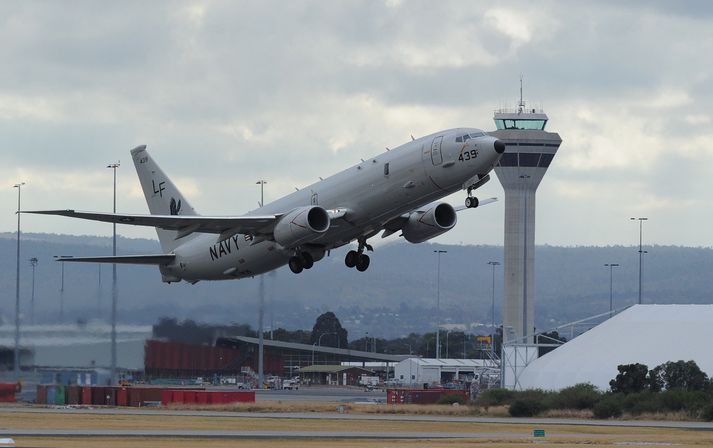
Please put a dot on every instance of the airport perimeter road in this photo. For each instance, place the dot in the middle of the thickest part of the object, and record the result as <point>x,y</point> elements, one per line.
<point>318,393</point>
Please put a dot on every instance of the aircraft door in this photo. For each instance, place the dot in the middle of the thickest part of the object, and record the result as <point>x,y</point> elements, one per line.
<point>436,156</point>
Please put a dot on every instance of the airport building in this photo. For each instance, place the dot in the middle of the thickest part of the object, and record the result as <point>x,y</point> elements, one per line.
<point>431,371</point>
<point>529,150</point>
<point>646,334</point>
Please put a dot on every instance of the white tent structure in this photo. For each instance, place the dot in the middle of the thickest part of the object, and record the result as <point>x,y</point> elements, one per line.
<point>647,334</point>
<point>435,371</point>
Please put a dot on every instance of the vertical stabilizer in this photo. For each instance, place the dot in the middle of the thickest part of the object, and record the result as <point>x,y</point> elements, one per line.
<point>162,196</point>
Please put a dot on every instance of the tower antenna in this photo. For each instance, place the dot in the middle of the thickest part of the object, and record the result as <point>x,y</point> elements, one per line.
<point>521,104</point>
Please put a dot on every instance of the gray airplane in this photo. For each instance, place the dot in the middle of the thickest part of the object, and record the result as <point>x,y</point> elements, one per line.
<point>394,191</point>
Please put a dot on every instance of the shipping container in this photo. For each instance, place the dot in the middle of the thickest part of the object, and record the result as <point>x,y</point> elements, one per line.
<point>86,394</point>
<point>59,397</point>
<point>7,392</point>
<point>73,394</point>
<point>41,394</point>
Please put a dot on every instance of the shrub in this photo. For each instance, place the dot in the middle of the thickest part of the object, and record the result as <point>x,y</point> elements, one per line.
<point>707,413</point>
<point>526,407</point>
<point>608,407</point>
<point>579,396</point>
<point>451,398</point>
<point>495,397</point>
<point>641,403</point>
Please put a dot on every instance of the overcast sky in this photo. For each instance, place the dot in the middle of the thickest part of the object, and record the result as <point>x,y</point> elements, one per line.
<point>225,93</point>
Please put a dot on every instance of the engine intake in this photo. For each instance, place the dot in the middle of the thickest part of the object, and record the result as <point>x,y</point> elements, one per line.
<point>422,226</point>
<point>301,225</point>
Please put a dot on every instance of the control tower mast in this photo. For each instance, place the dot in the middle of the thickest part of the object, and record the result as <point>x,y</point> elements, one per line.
<point>529,150</point>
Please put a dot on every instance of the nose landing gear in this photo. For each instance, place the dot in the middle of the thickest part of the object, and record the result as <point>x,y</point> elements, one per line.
<point>357,258</point>
<point>471,201</point>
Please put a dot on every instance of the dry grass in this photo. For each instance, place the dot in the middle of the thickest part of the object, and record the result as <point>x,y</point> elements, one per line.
<point>494,435</point>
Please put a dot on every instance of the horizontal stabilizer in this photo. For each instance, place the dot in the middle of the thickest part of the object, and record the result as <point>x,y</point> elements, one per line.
<point>160,259</point>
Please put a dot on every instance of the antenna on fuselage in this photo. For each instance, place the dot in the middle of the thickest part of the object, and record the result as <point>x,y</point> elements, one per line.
<point>412,139</point>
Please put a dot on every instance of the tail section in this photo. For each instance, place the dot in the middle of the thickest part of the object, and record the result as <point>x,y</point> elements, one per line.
<point>162,196</point>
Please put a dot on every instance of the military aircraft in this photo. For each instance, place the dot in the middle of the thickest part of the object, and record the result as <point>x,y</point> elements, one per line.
<point>391,192</point>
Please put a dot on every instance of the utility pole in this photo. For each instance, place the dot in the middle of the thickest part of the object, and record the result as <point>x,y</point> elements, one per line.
<point>261,308</point>
<point>641,251</point>
<point>17,288</point>
<point>438,303</point>
<point>114,287</point>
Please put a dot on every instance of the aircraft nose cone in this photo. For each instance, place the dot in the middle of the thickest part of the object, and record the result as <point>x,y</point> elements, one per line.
<point>499,146</point>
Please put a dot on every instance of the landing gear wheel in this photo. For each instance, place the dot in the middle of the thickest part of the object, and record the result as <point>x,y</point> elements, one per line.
<point>471,202</point>
<point>295,264</point>
<point>307,260</point>
<point>362,263</point>
<point>351,259</point>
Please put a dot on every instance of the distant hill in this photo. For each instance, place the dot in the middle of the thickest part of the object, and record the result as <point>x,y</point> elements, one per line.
<point>394,297</point>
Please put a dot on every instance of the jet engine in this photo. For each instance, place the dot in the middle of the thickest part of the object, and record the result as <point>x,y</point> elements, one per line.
<point>301,225</point>
<point>424,225</point>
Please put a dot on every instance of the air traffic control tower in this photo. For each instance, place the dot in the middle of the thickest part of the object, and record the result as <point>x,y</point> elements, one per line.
<point>529,152</point>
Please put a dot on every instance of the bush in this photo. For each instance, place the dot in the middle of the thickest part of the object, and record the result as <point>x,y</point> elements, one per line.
<point>608,407</point>
<point>495,397</point>
<point>451,398</point>
<point>642,403</point>
<point>579,396</point>
<point>707,413</point>
<point>526,407</point>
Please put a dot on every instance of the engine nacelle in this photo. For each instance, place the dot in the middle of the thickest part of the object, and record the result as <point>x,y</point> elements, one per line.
<point>301,225</point>
<point>423,226</point>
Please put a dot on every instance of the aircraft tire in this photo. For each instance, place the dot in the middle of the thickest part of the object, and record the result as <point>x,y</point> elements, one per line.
<point>471,202</point>
<point>295,264</point>
<point>351,259</point>
<point>362,263</point>
<point>307,260</point>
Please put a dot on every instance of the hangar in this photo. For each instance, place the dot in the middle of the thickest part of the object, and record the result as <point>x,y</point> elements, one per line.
<point>433,371</point>
<point>646,334</point>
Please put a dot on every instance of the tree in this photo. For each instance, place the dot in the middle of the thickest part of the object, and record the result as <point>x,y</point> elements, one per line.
<point>680,375</point>
<point>330,330</point>
<point>548,338</point>
<point>631,378</point>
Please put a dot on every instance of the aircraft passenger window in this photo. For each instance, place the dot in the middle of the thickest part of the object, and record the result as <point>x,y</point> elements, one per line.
<point>529,160</point>
<point>386,169</point>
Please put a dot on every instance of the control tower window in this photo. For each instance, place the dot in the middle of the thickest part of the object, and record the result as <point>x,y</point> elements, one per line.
<point>508,159</point>
<point>521,124</point>
<point>529,160</point>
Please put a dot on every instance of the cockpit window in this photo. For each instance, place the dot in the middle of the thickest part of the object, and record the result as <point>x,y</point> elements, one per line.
<point>466,137</point>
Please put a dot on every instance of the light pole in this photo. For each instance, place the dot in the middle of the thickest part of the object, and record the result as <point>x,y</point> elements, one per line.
<point>61,291</point>
<point>17,288</point>
<point>611,267</point>
<point>261,308</point>
<point>492,306</point>
<point>641,252</point>
<point>33,263</point>
<point>438,303</point>
<point>114,290</point>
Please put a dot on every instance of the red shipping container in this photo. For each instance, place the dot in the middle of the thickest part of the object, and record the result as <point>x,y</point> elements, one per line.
<point>86,395</point>
<point>189,397</point>
<point>166,396</point>
<point>41,394</point>
<point>122,397</point>
<point>202,397</point>
<point>98,397</point>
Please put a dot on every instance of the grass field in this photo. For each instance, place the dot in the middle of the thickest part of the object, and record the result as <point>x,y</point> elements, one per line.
<point>503,435</point>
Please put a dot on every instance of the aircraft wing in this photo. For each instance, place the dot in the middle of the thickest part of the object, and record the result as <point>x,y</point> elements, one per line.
<point>185,225</point>
<point>160,259</point>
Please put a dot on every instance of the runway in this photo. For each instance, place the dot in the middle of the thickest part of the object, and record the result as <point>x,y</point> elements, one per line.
<point>705,426</point>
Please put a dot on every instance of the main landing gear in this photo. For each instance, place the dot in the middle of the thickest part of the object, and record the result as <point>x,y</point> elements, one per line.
<point>300,261</point>
<point>357,258</point>
<point>471,201</point>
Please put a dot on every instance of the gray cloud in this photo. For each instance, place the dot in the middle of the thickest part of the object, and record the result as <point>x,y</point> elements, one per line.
<point>226,92</point>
